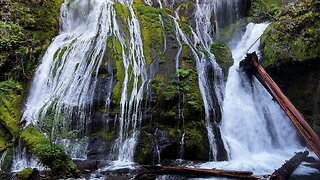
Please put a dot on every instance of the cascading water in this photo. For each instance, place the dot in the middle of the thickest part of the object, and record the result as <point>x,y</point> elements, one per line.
<point>131,114</point>
<point>63,88</point>
<point>211,94</point>
<point>229,11</point>
<point>258,135</point>
<point>65,81</point>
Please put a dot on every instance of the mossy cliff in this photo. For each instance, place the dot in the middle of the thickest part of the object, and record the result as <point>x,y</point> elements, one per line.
<point>294,37</point>
<point>26,30</point>
<point>291,51</point>
<point>10,100</point>
<point>262,10</point>
<point>223,56</point>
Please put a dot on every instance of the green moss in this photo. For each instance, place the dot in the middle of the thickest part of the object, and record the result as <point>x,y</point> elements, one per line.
<point>122,11</point>
<point>266,8</point>
<point>186,86</point>
<point>7,162</point>
<point>173,133</point>
<point>223,55</point>
<point>54,157</point>
<point>151,28</point>
<point>61,53</point>
<point>193,139</point>
<point>25,173</point>
<point>31,136</point>
<point>10,98</point>
<point>196,140</point>
<point>294,37</point>
<point>50,155</point>
<point>5,138</point>
<point>25,35</point>
<point>144,149</point>
<point>115,50</point>
<point>184,26</point>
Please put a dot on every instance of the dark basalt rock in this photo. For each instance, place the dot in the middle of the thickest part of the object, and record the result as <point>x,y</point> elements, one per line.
<point>87,166</point>
<point>98,148</point>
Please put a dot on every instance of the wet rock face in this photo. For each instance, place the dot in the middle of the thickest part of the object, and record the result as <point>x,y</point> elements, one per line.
<point>98,148</point>
<point>163,144</point>
<point>230,11</point>
<point>173,102</point>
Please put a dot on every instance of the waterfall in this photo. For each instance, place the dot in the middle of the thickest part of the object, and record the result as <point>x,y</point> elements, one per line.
<point>228,11</point>
<point>66,80</point>
<point>266,127</point>
<point>131,114</point>
<point>211,94</point>
<point>64,83</point>
<point>257,133</point>
<point>244,125</point>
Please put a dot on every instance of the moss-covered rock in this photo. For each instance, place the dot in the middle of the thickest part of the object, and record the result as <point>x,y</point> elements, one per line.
<point>294,37</point>
<point>184,91</point>
<point>31,136</point>
<point>10,99</point>
<point>196,141</point>
<point>151,28</point>
<point>144,152</point>
<point>8,159</point>
<point>223,55</point>
<point>51,155</point>
<point>266,9</point>
<point>115,57</point>
<point>26,173</point>
<point>5,138</point>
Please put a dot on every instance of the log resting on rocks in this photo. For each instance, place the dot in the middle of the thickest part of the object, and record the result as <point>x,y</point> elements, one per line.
<point>287,168</point>
<point>252,67</point>
<point>148,171</point>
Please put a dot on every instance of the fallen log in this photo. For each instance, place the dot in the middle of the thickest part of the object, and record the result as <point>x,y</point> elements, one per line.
<point>251,65</point>
<point>149,171</point>
<point>287,168</point>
